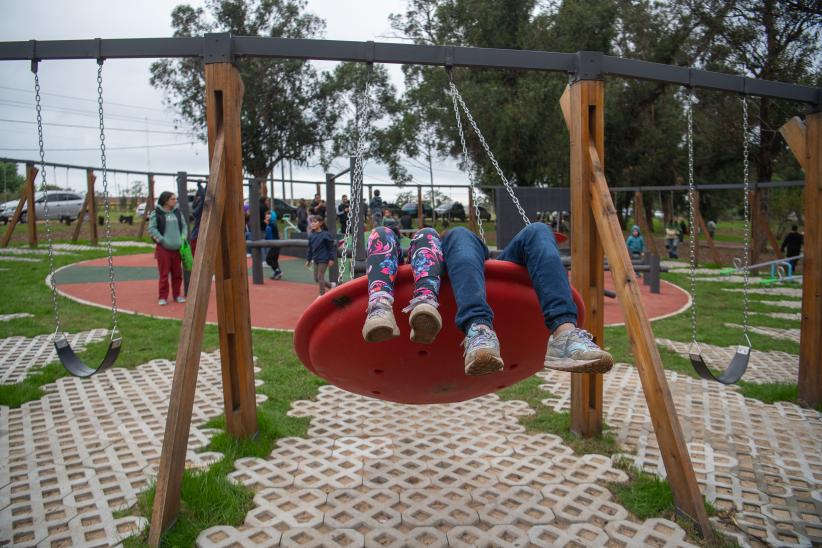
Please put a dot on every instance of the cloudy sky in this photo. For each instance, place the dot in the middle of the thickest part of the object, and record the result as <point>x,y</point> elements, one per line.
<point>142,134</point>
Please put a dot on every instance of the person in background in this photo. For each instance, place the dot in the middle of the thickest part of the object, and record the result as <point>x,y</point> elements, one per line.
<point>302,216</point>
<point>197,214</point>
<point>320,209</point>
<point>375,208</point>
<point>635,242</point>
<point>343,211</point>
<point>312,209</point>
<point>672,240</point>
<point>793,243</point>
<point>168,229</point>
<point>272,232</point>
<point>712,228</point>
<point>321,251</point>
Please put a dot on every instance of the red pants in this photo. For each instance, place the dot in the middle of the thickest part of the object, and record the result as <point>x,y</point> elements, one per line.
<point>168,262</point>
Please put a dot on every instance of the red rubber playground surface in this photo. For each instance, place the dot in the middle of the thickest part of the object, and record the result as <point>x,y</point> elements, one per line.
<point>277,304</point>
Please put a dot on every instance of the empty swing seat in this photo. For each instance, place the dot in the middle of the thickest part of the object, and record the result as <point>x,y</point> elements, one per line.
<point>328,340</point>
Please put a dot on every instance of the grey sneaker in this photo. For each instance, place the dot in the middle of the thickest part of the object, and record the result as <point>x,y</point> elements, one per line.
<point>574,351</point>
<point>380,324</point>
<point>425,320</point>
<point>481,351</point>
<point>162,302</point>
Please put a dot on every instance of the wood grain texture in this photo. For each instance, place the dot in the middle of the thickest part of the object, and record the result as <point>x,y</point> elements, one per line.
<point>31,176</point>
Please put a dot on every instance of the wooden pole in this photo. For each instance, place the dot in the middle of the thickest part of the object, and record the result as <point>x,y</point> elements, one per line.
<point>31,176</point>
<point>672,447</point>
<point>583,109</point>
<point>704,227</point>
<point>89,208</point>
<point>223,257</point>
<point>184,384</point>
<point>642,222</point>
<point>766,226</point>
<point>31,210</point>
<point>806,145</point>
<point>149,206</point>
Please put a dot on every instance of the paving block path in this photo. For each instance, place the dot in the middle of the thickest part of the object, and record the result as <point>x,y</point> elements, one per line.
<point>373,473</point>
<point>760,463</point>
<point>69,460</point>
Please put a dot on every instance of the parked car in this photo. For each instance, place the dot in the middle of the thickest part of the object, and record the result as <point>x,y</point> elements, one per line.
<point>7,211</point>
<point>455,211</point>
<point>451,210</point>
<point>141,208</point>
<point>63,205</point>
<point>411,209</point>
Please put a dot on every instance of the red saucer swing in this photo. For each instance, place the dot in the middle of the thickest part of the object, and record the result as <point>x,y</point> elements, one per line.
<point>328,340</point>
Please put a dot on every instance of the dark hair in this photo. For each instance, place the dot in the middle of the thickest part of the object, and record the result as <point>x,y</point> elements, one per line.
<point>377,192</point>
<point>794,228</point>
<point>165,196</point>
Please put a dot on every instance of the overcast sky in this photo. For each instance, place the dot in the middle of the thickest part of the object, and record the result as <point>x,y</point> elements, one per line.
<point>141,133</point>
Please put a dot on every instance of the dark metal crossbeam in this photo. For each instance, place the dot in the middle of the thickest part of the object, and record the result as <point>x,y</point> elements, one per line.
<point>222,47</point>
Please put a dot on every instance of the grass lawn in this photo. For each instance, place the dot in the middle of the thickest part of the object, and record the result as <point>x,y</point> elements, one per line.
<point>208,498</point>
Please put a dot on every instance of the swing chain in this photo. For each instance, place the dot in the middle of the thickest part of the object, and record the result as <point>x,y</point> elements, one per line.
<point>44,190</point>
<point>458,97</point>
<point>362,108</point>
<point>747,231</point>
<point>468,165</point>
<point>692,223</point>
<point>106,205</point>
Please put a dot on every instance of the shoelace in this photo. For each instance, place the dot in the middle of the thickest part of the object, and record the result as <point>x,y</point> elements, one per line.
<point>481,338</point>
<point>379,307</point>
<point>581,336</point>
<point>420,300</point>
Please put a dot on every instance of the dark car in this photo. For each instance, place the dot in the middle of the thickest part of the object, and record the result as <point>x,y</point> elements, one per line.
<point>455,211</point>
<point>451,210</point>
<point>282,208</point>
<point>411,209</point>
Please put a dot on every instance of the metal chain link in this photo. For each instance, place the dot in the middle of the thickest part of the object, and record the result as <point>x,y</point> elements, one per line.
<point>106,205</point>
<point>455,93</point>
<point>691,198</point>
<point>362,109</point>
<point>44,189</point>
<point>747,230</point>
<point>469,167</point>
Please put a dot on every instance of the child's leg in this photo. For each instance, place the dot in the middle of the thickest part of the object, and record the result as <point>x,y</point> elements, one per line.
<point>381,269</point>
<point>321,279</point>
<point>425,256</point>
<point>382,263</point>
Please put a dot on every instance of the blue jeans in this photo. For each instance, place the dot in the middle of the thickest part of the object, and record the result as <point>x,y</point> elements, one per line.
<point>535,248</point>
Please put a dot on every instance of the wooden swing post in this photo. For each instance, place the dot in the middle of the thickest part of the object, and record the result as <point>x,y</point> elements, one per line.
<point>805,141</point>
<point>221,254</point>
<point>700,223</point>
<point>149,206</point>
<point>583,109</point>
<point>642,222</point>
<point>26,197</point>
<point>598,227</point>
<point>89,208</point>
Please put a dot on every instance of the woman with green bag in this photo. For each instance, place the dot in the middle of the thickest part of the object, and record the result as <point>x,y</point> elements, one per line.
<point>168,229</point>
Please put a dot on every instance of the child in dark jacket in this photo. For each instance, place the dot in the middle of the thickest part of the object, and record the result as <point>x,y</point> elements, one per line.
<point>272,258</point>
<point>321,250</point>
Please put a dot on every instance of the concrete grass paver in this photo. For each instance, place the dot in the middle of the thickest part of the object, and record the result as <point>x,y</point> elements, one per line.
<point>89,447</point>
<point>374,473</point>
<point>18,355</point>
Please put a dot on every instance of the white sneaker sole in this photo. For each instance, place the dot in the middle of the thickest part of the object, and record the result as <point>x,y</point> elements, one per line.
<point>602,364</point>
<point>483,363</point>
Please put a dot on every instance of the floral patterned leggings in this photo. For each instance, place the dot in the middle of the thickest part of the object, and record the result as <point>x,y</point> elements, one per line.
<point>424,255</point>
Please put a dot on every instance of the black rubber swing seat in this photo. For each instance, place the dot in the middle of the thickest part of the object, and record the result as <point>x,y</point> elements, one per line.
<point>329,342</point>
<point>732,374</point>
<point>76,366</point>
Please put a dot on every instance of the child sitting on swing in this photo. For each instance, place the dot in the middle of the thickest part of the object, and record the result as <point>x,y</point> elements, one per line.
<point>384,257</point>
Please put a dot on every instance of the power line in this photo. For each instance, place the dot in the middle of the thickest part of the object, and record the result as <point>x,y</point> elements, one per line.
<point>92,127</point>
<point>98,148</point>
<point>69,110</point>
<point>75,98</point>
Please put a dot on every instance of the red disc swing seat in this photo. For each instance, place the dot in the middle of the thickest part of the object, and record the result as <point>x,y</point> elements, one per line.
<point>329,342</point>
